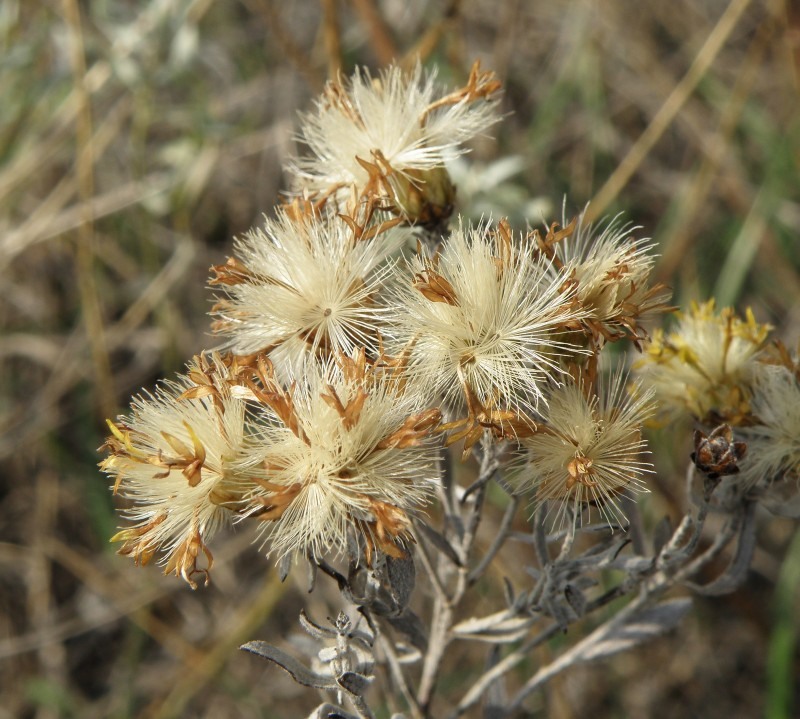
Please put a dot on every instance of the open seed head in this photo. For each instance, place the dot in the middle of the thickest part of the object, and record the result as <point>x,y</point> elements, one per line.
<point>773,438</point>
<point>182,457</point>
<point>587,450</point>
<point>346,453</point>
<point>486,314</point>
<point>389,136</point>
<point>611,270</point>
<point>304,287</point>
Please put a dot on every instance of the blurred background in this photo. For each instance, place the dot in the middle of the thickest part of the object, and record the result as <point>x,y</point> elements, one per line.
<point>137,138</point>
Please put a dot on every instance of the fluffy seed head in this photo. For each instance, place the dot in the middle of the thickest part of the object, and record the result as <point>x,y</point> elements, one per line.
<point>302,287</point>
<point>587,451</point>
<point>390,136</point>
<point>484,317</point>
<point>181,458</point>
<point>774,437</point>
<point>610,269</point>
<point>346,454</point>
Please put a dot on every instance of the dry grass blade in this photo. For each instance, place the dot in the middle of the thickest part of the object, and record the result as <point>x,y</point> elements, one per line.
<point>666,114</point>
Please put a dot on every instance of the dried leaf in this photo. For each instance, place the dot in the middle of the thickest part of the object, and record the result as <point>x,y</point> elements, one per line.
<point>300,673</point>
<point>617,636</point>
<point>412,626</point>
<point>440,543</point>
<point>354,683</point>
<point>501,627</point>
<point>401,573</point>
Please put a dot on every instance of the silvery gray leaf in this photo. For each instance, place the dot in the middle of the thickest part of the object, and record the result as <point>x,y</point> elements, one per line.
<point>411,625</point>
<point>311,575</point>
<point>678,544</point>
<point>508,592</point>
<point>285,566</point>
<point>314,629</point>
<point>406,654</point>
<point>661,534</point>
<point>496,696</point>
<point>300,673</point>
<point>500,627</point>
<point>368,587</point>
<point>635,565</point>
<point>583,582</point>
<point>328,654</point>
<point>440,543</point>
<point>354,683</point>
<point>736,571</point>
<point>576,599</point>
<point>622,633</point>
<point>600,555</point>
<point>560,611</point>
<point>402,576</point>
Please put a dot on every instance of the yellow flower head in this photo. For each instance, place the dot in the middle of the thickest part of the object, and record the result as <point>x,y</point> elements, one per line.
<point>706,366</point>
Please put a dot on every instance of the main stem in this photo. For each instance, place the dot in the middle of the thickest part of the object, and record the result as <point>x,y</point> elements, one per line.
<point>462,537</point>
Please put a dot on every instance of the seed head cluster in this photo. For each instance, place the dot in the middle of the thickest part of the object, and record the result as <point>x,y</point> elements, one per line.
<point>348,358</point>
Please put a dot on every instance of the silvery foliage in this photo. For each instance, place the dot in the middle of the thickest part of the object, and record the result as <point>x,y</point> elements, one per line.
<point>406,642</point>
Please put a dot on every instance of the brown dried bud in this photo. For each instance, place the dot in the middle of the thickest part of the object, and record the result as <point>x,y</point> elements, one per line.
<point>717,454</point>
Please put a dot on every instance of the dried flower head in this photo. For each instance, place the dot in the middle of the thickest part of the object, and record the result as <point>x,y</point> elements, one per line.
<point>705,367</point>
<point>346,453</point>
<point>774,438</point>
<point>717,454</point>
<point>304,286</point>
<point>588,449</point>
<point>181,458</point>
<point>390,136</point>
<point>481,321</point>
<point>611,269</point>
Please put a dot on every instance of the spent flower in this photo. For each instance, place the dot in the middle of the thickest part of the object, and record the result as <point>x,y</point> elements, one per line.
<point>707,365</point>
<point>389,136</point>
<point>588,449</point>
<point>182,458</point>
<point>304,286</point>
<point>346,453</point>
<point>481,321</point>
<point>773,438</point>
<point>611,269</point>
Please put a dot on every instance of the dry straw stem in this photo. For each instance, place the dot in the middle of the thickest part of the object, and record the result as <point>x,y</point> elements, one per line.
<point>380,36</point>
<point>666,114</point>
<point>270,11</point>
<point>679,235</point>
<point>92,313</point>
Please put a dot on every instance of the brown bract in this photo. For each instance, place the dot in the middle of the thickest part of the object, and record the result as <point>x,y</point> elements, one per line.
<point>502,423</point>
<point>433,285</point>
<point>480,84</point>
<point>717,454</point>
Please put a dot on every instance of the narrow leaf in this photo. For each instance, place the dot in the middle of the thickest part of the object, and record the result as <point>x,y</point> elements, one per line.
<point>354,683</point>
<point>614,637</point>
<point>300,673</point>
